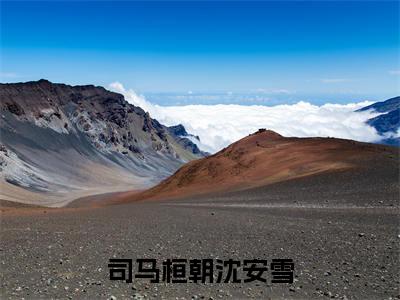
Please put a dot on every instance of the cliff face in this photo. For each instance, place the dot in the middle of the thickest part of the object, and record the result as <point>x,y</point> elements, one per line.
<point>58,139</point>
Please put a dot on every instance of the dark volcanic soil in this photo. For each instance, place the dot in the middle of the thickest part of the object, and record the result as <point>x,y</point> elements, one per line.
<point>343,237</point>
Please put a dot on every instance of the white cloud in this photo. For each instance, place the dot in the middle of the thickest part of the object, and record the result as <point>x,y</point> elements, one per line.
<point>394,72</point>
<point>132,97</point>
<point>274,91</point>
<point>334,80</point>
<point>220,125</point>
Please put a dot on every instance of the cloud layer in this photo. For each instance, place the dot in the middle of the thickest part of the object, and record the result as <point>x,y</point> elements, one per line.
<point>220,125</point>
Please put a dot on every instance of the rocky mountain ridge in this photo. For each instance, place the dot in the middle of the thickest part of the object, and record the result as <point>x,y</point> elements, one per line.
<point>387,124</point>
<point>87,124</point>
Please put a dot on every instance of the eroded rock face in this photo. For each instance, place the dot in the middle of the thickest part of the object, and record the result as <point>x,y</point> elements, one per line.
<point>92,122</point>
<point>14,108</point>
<point>109,122</point>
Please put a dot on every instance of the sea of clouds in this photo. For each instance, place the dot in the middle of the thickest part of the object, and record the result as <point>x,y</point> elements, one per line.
<point>220,125</point>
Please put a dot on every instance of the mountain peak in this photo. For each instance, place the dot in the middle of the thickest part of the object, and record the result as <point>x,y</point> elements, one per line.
<point>267,133</point>
<point>259,138</point>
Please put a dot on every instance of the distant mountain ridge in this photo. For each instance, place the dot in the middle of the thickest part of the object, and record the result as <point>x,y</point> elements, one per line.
<point>388,123</point>
<point>186,140</point>
<point>384,106</point>
<point>59,140</point>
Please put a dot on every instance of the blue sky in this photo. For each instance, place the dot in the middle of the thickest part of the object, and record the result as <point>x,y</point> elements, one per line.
<point>325,50</point>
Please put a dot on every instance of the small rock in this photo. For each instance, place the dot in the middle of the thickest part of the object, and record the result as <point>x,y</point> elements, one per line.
<point>329,294</point>
<point>113,298</point>
<point>138,296</point>
<point>361,234</point>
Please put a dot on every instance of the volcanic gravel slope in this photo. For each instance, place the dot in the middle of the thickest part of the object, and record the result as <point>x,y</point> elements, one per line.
<point>341,229</point>
<point>264,158</point>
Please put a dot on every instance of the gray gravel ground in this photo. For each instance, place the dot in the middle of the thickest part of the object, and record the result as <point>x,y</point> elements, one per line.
<point>339,253</point>
<point>344,245</point>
